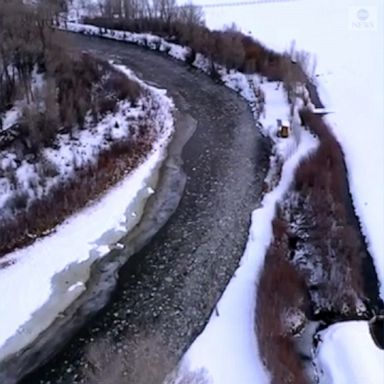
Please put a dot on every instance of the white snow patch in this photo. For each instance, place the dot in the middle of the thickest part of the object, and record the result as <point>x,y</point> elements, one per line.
<point>79,284</point>
<point>348,355</point>
<point>26,285</point>
<point>10,118</point>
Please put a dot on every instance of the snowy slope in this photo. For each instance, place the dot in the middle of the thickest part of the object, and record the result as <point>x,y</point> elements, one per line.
<point>350,75</point>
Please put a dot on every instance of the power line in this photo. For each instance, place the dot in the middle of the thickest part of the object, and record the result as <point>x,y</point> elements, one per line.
<point>243,3</point>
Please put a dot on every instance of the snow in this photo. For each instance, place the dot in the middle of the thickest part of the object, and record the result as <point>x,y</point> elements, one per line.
<point>10,118</point>
<point>339,363</point>
<point>27,274</point>
<point>21,177</point>
<point>350,78</point>
<point>37,264</point>
<point>144,39</point>
<point>349,75</point>
<point>348,52</point>
<point>227,348</point>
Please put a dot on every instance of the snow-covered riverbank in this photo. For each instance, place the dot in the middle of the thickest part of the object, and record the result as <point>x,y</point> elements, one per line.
<point>346,40</point>
<point>74,245</point>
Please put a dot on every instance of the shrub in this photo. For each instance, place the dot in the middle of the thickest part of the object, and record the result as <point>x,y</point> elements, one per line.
<point>230,48</point>
<point>281,291</point>
<point>89,182</point>
<point>124,87</point>
<point>319,215</point>
<point>313,266</point>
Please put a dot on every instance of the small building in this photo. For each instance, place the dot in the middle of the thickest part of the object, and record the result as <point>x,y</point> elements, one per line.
<point>283,128</point>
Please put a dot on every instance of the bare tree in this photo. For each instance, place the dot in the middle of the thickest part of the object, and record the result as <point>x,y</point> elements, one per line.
<point>190,14</point>
<point>295,66</point>
<point>131,8</point>
<point>165,10</point>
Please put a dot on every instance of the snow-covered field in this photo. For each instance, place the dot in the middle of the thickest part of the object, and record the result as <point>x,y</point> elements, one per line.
<point>346,37</point>
<point>28,279</point>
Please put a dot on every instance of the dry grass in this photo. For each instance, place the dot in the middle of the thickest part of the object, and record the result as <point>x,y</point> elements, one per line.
<point>88,184</point>
<point>313,266</point>
<point>281,290</point>
<point>320,210</point>
<point>74,86</point>
<point>229,48</point>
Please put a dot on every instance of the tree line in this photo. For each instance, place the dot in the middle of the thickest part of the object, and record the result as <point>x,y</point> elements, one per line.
<point>26,40</point>
<point>72,85</point>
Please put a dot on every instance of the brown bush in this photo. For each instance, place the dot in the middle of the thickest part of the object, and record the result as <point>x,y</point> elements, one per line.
<point>281,290</point>
<point>88,84</point>
<point>74,85</point>
<point>329,158</point>
<point>319,215</point>
<point>106,105</point>
<point>279,227</point>
<point>87,185</point>
<point>229,48</point>
<point>318,226</point>
<point>122,86</point>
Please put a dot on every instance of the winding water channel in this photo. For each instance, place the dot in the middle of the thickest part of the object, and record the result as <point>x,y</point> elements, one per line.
<point>167,291</point>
